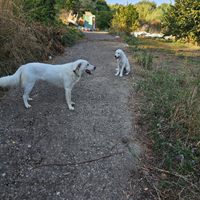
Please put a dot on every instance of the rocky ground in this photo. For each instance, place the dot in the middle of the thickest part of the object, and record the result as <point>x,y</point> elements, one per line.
<point>101,124</point>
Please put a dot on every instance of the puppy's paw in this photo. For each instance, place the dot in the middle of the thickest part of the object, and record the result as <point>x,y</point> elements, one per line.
<point>72,103</point>
<point>121,75</point>
<point>30,99</point>
<point>117,74</point>
<point>127,73</point>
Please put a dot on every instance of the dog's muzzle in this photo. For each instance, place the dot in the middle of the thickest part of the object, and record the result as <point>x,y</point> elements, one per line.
<point>88,71</point>
<point>116,57</point>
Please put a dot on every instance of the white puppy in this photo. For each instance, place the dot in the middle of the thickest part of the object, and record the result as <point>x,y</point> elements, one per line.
<point>65,75</point>
<point>122,63</point>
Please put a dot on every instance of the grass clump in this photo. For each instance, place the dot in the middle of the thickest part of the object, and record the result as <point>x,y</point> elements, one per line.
<point>144,59</point>
<point>171,106</point>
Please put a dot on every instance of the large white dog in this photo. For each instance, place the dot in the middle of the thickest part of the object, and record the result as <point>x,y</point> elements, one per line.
<point>65,75</point>
<point>122,63</point>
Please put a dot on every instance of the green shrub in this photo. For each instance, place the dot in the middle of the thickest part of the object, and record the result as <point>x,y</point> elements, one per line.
<point>103,19</point>
<point>40,10</point>
<point>125,19</point>
<point>182,21</point>
<point>132,40</point>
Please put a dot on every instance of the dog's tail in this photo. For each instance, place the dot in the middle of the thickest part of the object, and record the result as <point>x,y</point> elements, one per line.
<point>11,80</point>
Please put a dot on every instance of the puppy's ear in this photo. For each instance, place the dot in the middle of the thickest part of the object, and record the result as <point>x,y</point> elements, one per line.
<point>77,67</point>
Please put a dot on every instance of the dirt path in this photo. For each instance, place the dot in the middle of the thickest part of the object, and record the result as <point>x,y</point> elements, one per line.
<point>50,133</point>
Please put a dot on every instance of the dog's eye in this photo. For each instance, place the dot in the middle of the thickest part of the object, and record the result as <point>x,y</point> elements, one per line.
<point>88,64</point>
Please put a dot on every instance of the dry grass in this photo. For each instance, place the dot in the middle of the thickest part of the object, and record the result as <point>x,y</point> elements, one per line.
<point>22,42</point>
<point>64,16</point>
<point>170,47</point>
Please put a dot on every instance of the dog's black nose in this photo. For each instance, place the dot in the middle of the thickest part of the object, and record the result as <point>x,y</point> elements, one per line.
<point>115,56</point>
<point>94,67</point>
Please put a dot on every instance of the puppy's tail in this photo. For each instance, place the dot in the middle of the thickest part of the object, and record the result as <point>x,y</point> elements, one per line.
<point>12,80</point>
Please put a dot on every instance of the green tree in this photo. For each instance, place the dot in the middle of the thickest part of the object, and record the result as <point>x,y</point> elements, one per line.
<point>103,19</point>
<point>40,10</point>
<point>101,5</point>
<point>158,13</point>
<point>165,7</point>
<point>87,4</point>
<point>147,2</point>
<point>126,18</point>
<point>114,7</point>
<point>145,7</point>
<point>183,20</point>
<point>68,4</point>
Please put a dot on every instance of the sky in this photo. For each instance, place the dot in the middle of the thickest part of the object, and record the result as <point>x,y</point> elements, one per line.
<point>158,2</point>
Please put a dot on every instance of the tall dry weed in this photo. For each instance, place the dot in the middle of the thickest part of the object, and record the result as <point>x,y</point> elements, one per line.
<point>22,42</point>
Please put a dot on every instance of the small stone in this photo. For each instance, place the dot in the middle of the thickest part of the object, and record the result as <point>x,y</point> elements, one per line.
<point>163,176</point>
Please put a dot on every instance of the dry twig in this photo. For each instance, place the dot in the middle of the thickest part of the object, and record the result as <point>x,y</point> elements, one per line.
<point>75,163</point>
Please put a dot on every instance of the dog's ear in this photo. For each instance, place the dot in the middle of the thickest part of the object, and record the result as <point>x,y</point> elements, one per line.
<point>77,67</point>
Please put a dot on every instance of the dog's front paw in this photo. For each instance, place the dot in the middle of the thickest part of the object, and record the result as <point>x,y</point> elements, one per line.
<point>71,108</point>
<point>27,106</point>
<point>127,73</point>
<point>121,75</point>
<point>117,74</point>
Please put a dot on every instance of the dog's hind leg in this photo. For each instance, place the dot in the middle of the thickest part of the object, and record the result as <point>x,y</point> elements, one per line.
<point>127,68</point>
<point>127,71</point>
<point>26,97</point>
<point>68,98</point>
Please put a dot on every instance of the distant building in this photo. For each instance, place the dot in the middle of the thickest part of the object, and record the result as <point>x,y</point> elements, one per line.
<point>89,20</point>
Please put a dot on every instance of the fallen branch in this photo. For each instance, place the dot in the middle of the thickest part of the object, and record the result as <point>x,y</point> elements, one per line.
<point>75,163</point>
